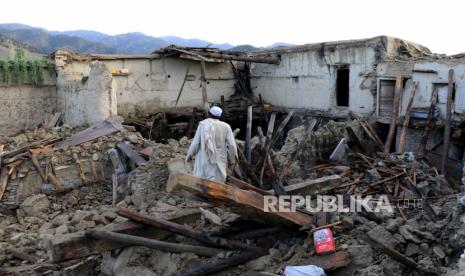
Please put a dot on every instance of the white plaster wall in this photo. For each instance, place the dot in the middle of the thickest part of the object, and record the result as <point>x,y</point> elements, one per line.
<point>316,85</point>
<point>155,84</point>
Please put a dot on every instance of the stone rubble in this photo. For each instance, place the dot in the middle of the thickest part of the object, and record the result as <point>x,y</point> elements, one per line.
<point>435,246</point>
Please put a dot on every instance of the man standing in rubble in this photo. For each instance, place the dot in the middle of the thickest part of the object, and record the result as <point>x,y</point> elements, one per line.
<point>213,146</point>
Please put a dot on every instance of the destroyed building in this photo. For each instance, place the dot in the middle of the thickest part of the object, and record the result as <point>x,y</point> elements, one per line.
<point>96,153</point>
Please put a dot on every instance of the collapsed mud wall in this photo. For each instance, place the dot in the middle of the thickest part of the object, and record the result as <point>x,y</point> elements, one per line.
<point>84,92</point>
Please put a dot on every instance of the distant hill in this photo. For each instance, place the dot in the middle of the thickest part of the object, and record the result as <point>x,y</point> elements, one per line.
<point>8,47</point>
<point>46,43</point>
<point>87,41</point>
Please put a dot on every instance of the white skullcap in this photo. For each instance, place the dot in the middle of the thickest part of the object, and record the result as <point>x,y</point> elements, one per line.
<point>216,111</point>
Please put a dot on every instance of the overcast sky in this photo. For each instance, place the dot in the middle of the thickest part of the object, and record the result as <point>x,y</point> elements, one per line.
<point>435,24</point>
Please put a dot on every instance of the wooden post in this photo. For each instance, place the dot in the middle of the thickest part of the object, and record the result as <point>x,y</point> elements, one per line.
<point>445,154</point>
<point>204,87</point>
<point>403,133</point>
<point>428,125</point>
<point>394,114</point>
<point>248,135</point>
<point>269,134</point>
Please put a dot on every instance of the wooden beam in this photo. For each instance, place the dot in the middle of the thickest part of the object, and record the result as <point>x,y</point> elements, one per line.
<point>403,133</point>
<point>77,245</point>
<point>394,114</point>
<point>447,129</point>
<point>204,56</point>
<point>151,243</point>
<point>249,202</point>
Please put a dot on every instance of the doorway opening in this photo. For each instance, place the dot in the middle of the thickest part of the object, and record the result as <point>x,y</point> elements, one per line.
<point>342,86</point>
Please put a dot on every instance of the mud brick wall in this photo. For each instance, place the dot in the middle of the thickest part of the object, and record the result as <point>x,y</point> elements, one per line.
<point>25,106</point>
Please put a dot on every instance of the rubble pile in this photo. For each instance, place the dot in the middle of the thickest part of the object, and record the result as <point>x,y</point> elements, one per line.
<point>143,213</point>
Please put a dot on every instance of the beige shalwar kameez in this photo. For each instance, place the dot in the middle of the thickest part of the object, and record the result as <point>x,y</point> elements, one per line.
<point>213,145</point>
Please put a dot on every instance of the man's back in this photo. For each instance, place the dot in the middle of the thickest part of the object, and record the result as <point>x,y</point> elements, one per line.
<point>213,146</point>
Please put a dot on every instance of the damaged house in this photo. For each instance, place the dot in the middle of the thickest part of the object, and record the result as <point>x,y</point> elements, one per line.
<point>93,179</point>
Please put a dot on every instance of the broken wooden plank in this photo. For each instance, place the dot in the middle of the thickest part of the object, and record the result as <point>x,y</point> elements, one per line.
<point>447,123</point>
<point>229,196</point>
<point>106,127</point>
<point>131,154</point>
<point>151,243</point>
<point>394,114</point>
<point>77,245</point>
<point>403,133</point>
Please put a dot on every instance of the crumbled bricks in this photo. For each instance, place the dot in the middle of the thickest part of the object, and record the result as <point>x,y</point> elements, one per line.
<point>434,246</point>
